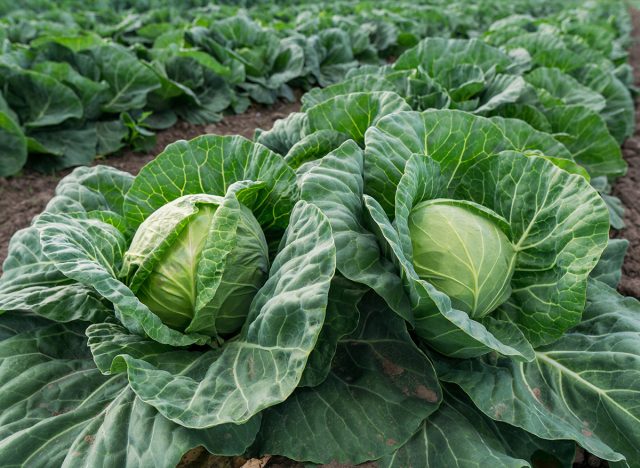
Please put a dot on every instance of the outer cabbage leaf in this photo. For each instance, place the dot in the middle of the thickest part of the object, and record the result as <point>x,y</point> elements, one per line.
<point>462,81</point>
<point>210,164</point>
<point>458,434</point>
<point>335,185</point>
<point>64,147</point>
<point>435,54</point>
<point>501,90</point>
<point>379,390</point>
<point>92,93</point>
<point>284,134</point>
<point>331,56</point>
<point>13,149</point>
<point>527,113</point>
<point>585,134</point>
<point>40,100</point>
<point>58,409</point>
<point>609,268</point>
<point>129,80</point>
<point>288,64</point>
<point>303,137</point>
<point>355,84</point>
<point>547,49</point>
<point>559,89</point>
<point>523,137</point>
<point>32,281</point>
<point>352,114</point>
<point>618,113</point>
<point>341,319</point>
<point>314,146</point>
<point>583,387</point>
<point>99,189</point>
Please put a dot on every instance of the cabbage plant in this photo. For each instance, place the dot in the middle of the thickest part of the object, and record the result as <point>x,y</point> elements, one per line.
<point>504,258</point>
<point>167,309</point>
<point>488,232</point>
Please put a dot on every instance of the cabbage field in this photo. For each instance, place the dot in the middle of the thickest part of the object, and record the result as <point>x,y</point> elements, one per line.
<point>419,267</point>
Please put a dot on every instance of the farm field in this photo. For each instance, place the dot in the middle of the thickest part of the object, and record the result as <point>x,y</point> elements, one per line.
<point>286,234</point>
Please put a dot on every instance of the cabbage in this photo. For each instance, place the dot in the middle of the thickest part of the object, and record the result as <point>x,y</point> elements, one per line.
<point>463,251</point>
<point>171,289</point>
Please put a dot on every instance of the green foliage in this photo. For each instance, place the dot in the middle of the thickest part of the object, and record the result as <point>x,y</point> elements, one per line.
<point>67,73</point>
<point>413,270</point>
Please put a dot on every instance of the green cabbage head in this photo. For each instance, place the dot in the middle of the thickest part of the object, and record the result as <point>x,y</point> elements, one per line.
<point>174,254</point>
<point>462,248</point>
<point>494,242</point>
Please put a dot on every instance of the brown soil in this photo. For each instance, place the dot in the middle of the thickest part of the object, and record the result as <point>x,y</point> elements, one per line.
<point>200,458</point>
<point>627,188</point>
<point>24,196</point>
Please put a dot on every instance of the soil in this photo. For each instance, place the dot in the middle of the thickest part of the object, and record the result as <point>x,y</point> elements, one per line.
<point>24,196</point>
<point>200,458</point>
<point>627,188</point>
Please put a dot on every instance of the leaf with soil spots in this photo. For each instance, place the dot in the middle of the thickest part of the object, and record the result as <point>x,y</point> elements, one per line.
<point>458,434</point>
<point>380,388</point>
<point>584,387</point>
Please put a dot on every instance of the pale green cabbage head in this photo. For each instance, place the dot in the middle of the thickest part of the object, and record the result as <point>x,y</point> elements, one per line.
<point>463,250</point>
<point>175,285</point>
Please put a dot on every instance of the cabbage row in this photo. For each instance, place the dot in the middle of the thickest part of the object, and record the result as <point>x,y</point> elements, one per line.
<point>77,84</point>
<point>415,269</point>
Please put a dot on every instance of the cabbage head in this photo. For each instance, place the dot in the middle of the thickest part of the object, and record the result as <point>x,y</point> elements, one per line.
<point>177,238</point>
<point>463,250</point>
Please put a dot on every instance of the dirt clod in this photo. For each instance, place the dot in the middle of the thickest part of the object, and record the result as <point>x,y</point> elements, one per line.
<point>391,368</point>
<point>426,394</point>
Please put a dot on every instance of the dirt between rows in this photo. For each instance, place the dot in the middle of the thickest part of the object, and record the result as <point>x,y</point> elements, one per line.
<point>627,188</point>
